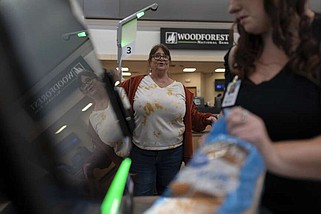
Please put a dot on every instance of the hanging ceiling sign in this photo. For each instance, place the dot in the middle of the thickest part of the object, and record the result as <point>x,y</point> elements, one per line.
<point>196,39</point>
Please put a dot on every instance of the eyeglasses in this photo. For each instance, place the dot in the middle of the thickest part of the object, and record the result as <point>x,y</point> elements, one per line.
<point>159,56</point>
<point>86,82</point>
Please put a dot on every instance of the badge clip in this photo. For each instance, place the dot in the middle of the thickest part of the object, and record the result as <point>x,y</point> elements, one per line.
<point>231,92</point>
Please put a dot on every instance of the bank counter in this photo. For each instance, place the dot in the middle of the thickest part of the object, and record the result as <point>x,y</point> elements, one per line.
<point>197,137</point>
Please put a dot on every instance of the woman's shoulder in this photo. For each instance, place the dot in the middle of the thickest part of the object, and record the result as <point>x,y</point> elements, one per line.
<point>289,75</point>
<point>132,80</point>
<point>136,77</point>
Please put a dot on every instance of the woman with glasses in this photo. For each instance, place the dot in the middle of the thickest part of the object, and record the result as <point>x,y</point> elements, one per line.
<point>104,129</point>
<point>165,116</point>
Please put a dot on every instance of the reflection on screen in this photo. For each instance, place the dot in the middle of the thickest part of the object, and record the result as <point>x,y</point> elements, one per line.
<point>63,140</point>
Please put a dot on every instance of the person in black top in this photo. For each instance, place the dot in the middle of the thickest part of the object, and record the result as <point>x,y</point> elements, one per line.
<point>278,61</point>
<point>316,31</point>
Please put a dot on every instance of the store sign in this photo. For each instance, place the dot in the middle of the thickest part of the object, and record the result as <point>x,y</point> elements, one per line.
<point>56,91</point>
<point>196,39</point>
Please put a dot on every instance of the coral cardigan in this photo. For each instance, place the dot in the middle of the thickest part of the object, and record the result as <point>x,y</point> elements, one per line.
<point>193,119</point>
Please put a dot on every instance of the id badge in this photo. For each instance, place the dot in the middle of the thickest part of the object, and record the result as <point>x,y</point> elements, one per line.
<point>231,93</point>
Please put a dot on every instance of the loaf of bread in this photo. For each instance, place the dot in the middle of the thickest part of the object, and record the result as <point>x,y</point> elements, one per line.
<point>224,176</point>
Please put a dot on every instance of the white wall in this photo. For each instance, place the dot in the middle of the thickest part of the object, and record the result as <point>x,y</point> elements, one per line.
<point>103,34</point>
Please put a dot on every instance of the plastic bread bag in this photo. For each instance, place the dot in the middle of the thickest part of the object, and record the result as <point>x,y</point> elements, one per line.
<point>225,175</point>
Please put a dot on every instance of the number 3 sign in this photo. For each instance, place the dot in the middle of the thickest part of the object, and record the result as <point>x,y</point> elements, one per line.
<point>128,50</point>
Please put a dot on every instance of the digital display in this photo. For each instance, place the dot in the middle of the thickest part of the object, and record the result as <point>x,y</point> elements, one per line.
<point>219,84</point>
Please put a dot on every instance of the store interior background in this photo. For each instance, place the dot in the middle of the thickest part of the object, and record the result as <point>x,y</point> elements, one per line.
<point>101,17</point>
<point>102,20</point>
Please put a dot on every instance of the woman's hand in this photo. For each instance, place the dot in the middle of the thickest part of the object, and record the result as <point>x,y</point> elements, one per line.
<point>212,118</point>
<point>294,158</point>
<point>245,125</point>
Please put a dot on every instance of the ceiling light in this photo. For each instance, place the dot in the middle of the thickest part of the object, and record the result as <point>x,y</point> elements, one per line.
<point>87,107</point>
<point>219,70</point>
<point>127,74</point>
<point>189,69</point>
<point>61,129</point>
<point>123,69</point>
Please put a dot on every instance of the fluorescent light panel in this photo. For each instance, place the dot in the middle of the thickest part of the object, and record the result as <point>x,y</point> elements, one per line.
<point>126,74</point>
<point>61,129</point>
<point>87,107</point>
<point>123,69</point>
<point>219,70</point>
<point>189,69</point>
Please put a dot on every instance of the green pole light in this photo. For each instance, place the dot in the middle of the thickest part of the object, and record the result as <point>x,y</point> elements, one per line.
<point>78,34</point>
<point>82,34</point>
<point>140,14</point>
<point>112,200</point>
